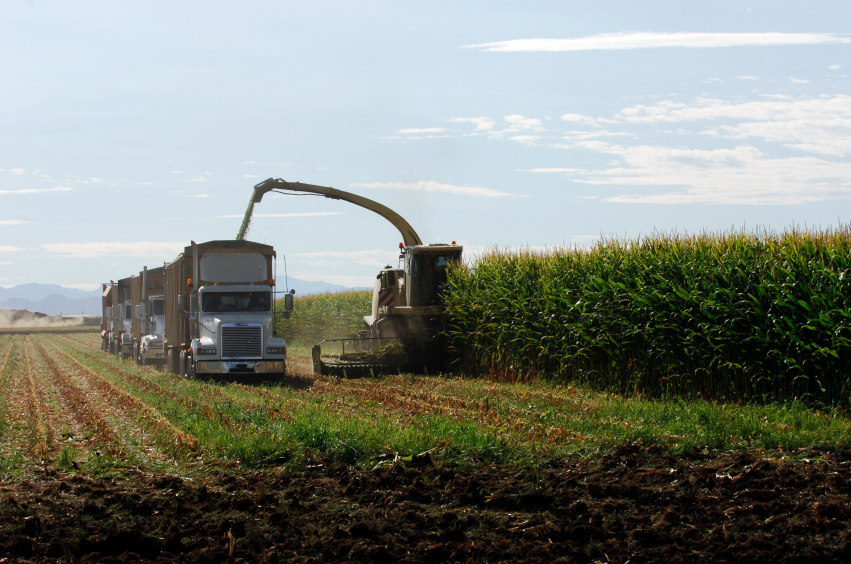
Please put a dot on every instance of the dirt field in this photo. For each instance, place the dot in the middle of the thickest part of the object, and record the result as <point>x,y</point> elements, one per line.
<point>102,461</point>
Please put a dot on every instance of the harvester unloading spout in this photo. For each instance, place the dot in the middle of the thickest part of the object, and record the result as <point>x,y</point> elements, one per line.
<point>409,236</point>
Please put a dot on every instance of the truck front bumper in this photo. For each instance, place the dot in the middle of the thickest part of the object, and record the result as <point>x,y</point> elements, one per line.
<point>240,367</point>
<point>154,354</point>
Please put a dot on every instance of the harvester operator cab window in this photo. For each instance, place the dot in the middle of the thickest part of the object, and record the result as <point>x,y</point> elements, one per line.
<point>388,279</point>
<point>128,311</point>
<point>226,302</point>
<point>428,275</point>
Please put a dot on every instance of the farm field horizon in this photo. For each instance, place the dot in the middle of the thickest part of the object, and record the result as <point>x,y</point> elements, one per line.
<point>103,457</point>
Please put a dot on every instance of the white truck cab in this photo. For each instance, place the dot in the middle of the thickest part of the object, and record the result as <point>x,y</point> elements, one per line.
<point>125,320</point>
<point>152,314</point>
<point>235,331</point>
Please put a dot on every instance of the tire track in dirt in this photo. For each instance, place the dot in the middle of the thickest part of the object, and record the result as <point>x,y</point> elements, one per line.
<point>148,419</point>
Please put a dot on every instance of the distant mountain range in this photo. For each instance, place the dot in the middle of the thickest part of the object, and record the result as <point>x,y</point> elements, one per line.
<point>53,299</point>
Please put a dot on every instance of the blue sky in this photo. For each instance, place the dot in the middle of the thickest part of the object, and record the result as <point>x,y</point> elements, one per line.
<point>129,129</point>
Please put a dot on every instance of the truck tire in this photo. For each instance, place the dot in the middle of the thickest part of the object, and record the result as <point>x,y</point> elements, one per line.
<point>112,347</point>
<point>182,364</point>
<point>136,355</point>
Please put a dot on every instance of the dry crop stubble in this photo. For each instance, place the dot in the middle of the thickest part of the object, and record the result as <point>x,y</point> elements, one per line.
<point>138,418</point>
<point>87,399</point>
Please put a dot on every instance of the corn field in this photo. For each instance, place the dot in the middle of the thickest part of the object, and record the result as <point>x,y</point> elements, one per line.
<point>719,316</point>
<point>323,316</point>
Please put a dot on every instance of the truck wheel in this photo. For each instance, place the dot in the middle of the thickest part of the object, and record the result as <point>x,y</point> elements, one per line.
<point>182,366</point>
<point>104,344</point>
<point>136,355</point>
<point>111,347</point>
<point>142,360</point>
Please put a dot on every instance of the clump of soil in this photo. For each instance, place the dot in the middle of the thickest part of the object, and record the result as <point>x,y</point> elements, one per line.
<point>635,505</point>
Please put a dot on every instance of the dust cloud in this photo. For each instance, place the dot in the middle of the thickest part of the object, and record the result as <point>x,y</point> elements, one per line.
<point>16,318</point>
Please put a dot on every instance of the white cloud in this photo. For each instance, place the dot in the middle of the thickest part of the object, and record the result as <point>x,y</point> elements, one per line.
<point>300,214</point>
<point>36,190</point>
<point>251,175</point>
<point>482,123</point>
<point>835,67</point>
<point>144,183</point>
<point>743,175</point>
<point>817,125</point>
<point>248,162</point>
<point>84,287</point>
<point>647,40</point>
<point>580,119</point>
<point>209,173</point>
<point>196,195</point>
<point>431,186</point>
<point>556,170</point>
<point>525,139</point>
<point>343,280</point>
<point>177,172</point>
<point>10,249</point>
<point>198,179</point>
<point>96,180</point>
<point>519,122</point>
<point>5,262</point>
<point>798,80</point>
<point>146,249</point>
<point>13,222</point>
<point>18,171</point>
<point>424,130</point>
<point>369,257</point>
<point>747,77</point>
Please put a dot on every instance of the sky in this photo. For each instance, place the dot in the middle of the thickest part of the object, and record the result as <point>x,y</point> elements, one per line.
<point>131,128</point>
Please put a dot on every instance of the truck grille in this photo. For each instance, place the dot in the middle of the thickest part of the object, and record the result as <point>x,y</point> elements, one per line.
<point>242,342</point>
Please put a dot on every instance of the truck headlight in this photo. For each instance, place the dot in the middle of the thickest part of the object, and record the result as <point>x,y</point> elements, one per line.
<point>206,350</point>
<point>276,350</point>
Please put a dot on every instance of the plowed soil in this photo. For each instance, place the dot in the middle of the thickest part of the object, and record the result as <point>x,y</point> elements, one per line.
<point>634,505</point>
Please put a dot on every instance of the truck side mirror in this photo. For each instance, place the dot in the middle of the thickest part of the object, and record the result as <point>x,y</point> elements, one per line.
<point>109,312</point>
<point>145,309</point>
<point>144,326</point>
<point>138,311</point>
<point>180,303</point>
<point>288,302</point>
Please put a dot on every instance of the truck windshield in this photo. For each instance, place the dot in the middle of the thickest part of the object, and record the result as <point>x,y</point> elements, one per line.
<point>159,307</point>
<point>224,302</point>
<point>428,274</point>
<point>128,312</point>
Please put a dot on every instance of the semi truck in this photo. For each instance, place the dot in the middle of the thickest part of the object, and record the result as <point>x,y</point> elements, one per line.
<point>148,329</point>
<point>219,315</point>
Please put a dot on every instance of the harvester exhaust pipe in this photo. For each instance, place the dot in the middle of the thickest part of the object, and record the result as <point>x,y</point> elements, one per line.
<point>144,282</point>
